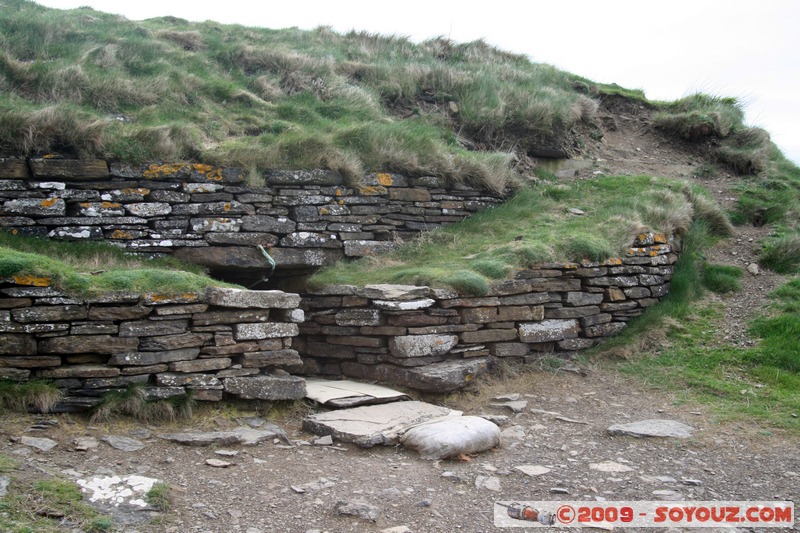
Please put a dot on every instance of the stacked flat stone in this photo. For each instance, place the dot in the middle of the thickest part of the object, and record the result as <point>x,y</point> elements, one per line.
<point>210,216</point>
<point>437,340</point>
<point>221,342</point>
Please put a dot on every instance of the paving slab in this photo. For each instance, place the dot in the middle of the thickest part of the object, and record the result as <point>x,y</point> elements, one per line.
<point>372,425</point>
<point>653,428</point>
<point>347,393</point>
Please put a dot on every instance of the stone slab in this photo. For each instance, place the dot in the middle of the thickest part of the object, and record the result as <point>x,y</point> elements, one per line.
<point>373,425</point>
<point>266,387</point>
<point>243,436</point>
<point>653,428</point>
<point>225,297</point>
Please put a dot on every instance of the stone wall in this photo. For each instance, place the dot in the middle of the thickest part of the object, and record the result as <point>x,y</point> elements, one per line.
<point>210,216</point>
<point>437,340</point>
<point>224,342</point>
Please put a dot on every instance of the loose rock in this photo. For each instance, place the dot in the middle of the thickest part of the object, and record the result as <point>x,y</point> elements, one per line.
<point>125,444</point>
<point>360,509</point>
<point>41,444</point>
<point>653,428</point>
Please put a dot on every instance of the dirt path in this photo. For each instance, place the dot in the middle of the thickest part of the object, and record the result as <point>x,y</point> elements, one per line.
<point>275,488</point>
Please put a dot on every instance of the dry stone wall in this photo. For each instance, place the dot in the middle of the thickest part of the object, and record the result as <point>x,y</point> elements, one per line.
<point>224,342</point>
<point>210,216</point>
<point>437,340</point>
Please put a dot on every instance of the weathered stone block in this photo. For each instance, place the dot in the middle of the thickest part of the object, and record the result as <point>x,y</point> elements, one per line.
<point>200,365</point>
<point>268,224</point>
<point>32,361</point>
<point>153,358</point>
<point>266,387</point>
<point>34,207</point>
<point>58,313</point>
<point>509,287</point>
<point>614,294</point>
<point>479,315</point>
<point>621,306</point>
<point>604,330</point>
<point>303,177</point>
<point>387,291</point>
<point>148,369</point>
<point>411,305</point>
<point>637,292</point>
<point>245,332</point>
<point>225,297</point>
<point>17,344</point>
<point>118,313</point>
<point>148,328</point>
<point>470,302</point>
<point>174,342</point>
<point>76,233</point>
<point>359,317</point>
<point>358,248</point>
<point>580,299</point>
<point>103,344</point>
<point>416,320</point>
<point>509,349</point>
<point>409,195</point>
<point>437,377</point>
<point>548,330</point>
<point>422,345</point>
<point>575,344</point>
<point>519,313</point>
<point>79,371</point>
<point>594,320</point>
<point>75,169</point>
<point>14,374</point>
<point>489,335</point>
<point>572,312</point>
<point>190,381</point>
<point>118,382</point>
<point>13,168</point>
<point>274,358</point>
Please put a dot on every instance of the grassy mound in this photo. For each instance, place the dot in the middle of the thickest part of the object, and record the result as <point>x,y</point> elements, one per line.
<point>95,84</point>
<point>85,269</point>
<point>587,220</point>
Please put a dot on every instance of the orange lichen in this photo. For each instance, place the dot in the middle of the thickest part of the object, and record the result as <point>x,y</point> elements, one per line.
<point>110,205</point>
<point>384,179</point>
<point>372,190</point>
<point>137,190</point>
<point>120,234</point>
<point>324,211</point>
<point>226,206</point>
<point>50,202</point>
<point>157,171</point>
<point>35,281</point>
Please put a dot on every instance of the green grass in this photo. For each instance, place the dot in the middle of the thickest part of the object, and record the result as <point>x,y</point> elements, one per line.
<point>132,402</point>
<point>48,505</point>
<point>721,278</point>
<point>703,117</point>
<point>676,347</point>
<point>159,497</point>
<point>93,84</point>
<point>535,226</point>
<point>19,395</point>
<point>84,269</point>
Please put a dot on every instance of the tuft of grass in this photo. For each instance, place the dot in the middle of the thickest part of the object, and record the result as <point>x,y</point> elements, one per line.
<point>132,401</point>
<point>702,117</point>
<point>782,254</point>
<point>721,278</point>
<point>159,496</point>
<point>534,227</point>
<point>47,505</point>
<point>21,395</point>
<point>7,464</point>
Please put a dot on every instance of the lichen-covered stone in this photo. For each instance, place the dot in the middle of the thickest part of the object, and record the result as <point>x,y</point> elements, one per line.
<point>359,248</point>
<point>153,358</point>
<point>422,345</point>
<point>245,332</point>
<point>359,317</point>
<point>34,207</point>
<point>16,344</point>
<point>266,387</point>
<point>103,344</point>
<point>548,330</point>
<point>226,297</point>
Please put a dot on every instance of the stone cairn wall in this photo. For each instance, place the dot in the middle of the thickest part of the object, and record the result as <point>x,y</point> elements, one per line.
<point>209,216</point>
<point>224,342</point>
<point>437,340</point>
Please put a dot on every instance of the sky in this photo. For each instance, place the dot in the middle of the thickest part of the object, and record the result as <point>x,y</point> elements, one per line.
<point>745,49</point>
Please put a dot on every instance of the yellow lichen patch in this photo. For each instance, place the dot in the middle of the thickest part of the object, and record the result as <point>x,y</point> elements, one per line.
<point>202,168</point>
<point>372,190</point>
<point>339,191</point>
<point>612,261</point>
<point>384,179</point>
<point>324,211</point>
<point>226,207</point>
<point>120,234</point>
<point>660,238</point>
<point>50,156</point>
<point>137,190</point>
<point>50,202</point>
<point>341,202</point>
<point>109,205</point>
<point>35,281</point>
<point>157,171</point>
<point>214,175</point>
